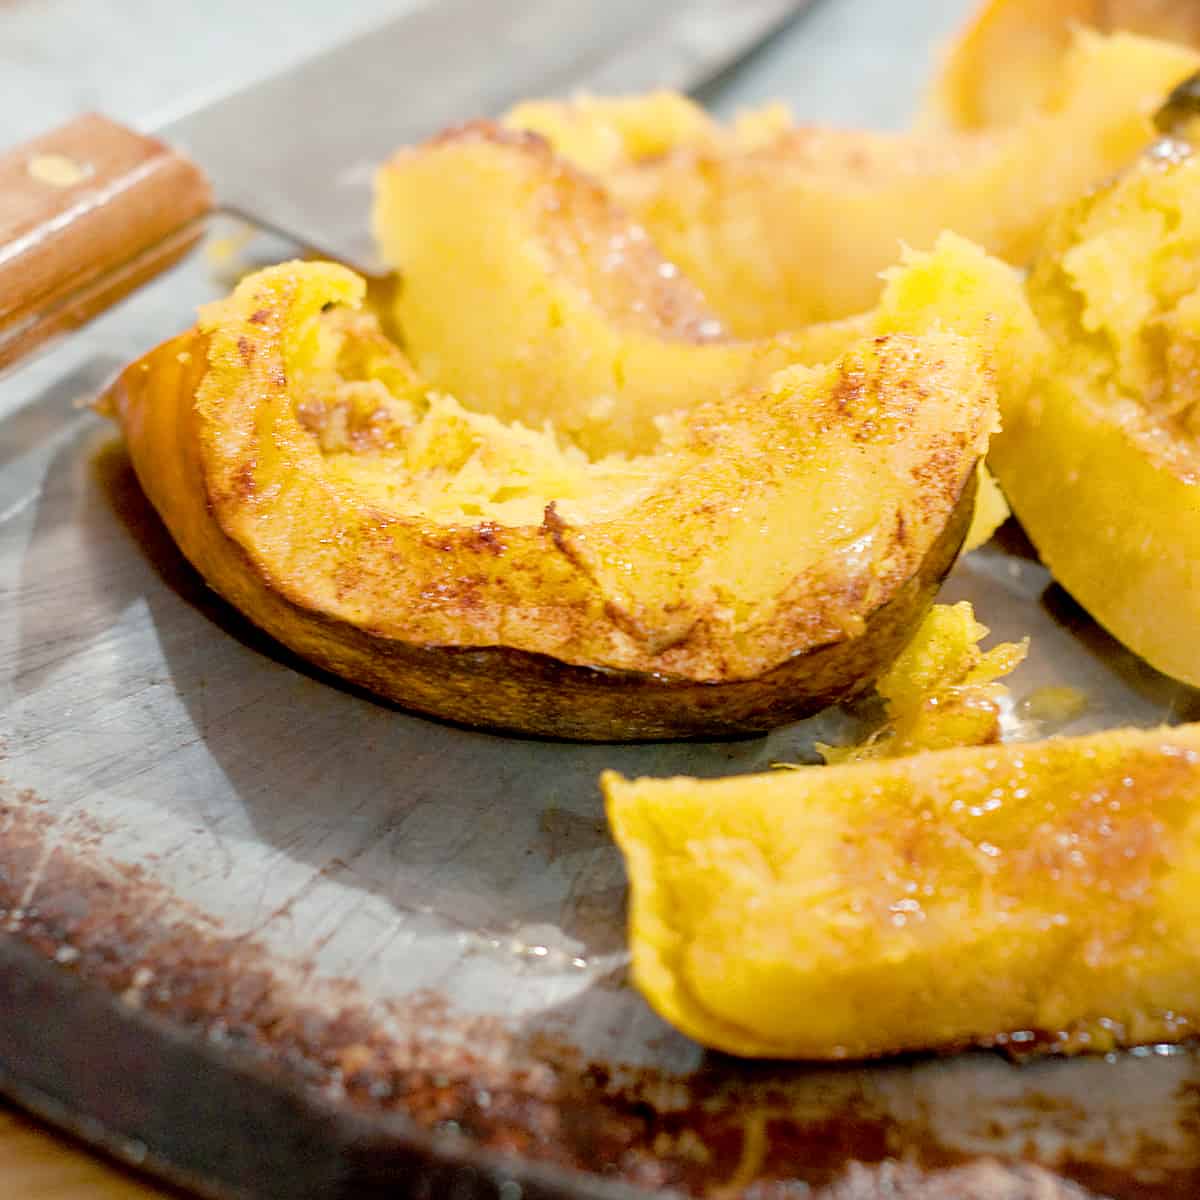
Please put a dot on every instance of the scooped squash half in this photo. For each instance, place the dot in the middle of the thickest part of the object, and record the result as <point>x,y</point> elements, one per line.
<point>770,557</point>
<point>1038,895</point>
<point>1006,62</point>
<point>780,226</point>
<point>1100,457</point>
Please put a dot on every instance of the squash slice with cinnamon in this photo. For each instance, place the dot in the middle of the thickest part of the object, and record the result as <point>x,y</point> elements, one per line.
<point>1039,896</point>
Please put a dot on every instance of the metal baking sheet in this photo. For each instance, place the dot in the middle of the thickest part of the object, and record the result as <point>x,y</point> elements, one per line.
<point>273,938</point>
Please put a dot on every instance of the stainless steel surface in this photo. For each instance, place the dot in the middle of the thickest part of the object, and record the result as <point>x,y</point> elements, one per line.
<point>297,152</point>
<point>413,869</point>
<point>690,47</point>
<point>141,61</point>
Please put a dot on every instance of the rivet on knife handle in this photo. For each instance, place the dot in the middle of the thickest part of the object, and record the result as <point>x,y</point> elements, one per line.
<point>88,212</point>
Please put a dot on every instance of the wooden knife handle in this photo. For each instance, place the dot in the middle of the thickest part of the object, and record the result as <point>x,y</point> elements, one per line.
<point>88,212</point>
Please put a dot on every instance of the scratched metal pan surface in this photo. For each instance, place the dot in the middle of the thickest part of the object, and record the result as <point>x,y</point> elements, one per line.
<point>271,938</point>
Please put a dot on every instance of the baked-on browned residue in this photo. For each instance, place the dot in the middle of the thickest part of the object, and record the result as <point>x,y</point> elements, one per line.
<point>762,1130</point>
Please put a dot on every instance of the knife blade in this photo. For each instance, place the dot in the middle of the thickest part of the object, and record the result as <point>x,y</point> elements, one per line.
<point>93,209</point>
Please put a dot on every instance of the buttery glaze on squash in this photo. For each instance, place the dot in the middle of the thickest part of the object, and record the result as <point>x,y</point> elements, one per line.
<point>771,558</point>
<point>782,225</point>
<point>1038,895</point>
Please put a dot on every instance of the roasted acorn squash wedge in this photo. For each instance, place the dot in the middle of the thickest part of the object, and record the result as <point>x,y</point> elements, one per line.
<point>1100,455</point>
<point>1040,896</point>
<point>780,226</point>
<point>769,557</point>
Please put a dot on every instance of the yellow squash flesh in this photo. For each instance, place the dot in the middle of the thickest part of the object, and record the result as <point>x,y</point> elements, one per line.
<point>941,691</point>
<point>780,226</point>
<point>1099,456</point>
<point>1006,62</point>
<point>528,295</point>
<point>547,304</point>
<point>1039,895</point>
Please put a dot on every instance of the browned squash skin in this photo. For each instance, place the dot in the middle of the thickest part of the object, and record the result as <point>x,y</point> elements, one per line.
<point>492,686</point>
